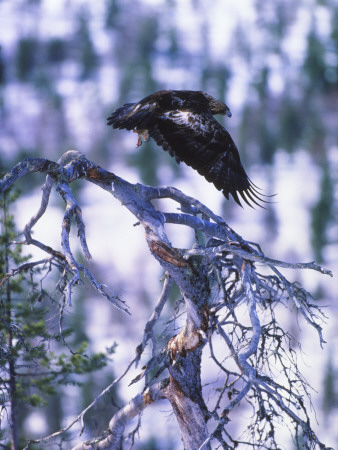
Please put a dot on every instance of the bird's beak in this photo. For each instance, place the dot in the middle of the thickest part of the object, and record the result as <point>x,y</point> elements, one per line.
<point>228,113</point>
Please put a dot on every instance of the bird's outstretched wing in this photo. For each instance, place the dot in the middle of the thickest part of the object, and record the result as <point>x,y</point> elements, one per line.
<point>194,137</point>
<point>201,142</point>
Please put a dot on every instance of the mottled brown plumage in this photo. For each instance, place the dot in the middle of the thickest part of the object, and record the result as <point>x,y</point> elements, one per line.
<point>182,123</point>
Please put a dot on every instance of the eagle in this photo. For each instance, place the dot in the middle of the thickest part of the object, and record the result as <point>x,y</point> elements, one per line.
<point>182,123</point>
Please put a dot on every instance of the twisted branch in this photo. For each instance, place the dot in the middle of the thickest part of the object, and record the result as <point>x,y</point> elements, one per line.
<point>228,265</point>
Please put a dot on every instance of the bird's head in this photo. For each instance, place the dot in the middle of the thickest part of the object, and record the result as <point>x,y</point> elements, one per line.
<point>216,106</point>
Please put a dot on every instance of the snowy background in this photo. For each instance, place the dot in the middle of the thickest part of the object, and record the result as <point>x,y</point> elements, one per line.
<point>64,66</point>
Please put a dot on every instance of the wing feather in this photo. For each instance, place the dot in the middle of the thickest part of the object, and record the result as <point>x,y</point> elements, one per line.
<point>132,116</point>
<point>202,143</point>
<point>182,124</point>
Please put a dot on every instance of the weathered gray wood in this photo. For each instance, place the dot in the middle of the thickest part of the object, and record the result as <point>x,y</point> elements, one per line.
<point>228,262</point>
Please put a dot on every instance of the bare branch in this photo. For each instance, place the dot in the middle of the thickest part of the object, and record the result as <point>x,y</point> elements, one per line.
<point>217,283</point>
<point>120,420</point>
<point>148,329</point>
<point>249,253</point>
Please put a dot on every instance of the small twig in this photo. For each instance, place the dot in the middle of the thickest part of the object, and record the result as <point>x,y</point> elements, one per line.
<point>252,256</point>
<point>104,290</point>
<point>123,417</point>
<point>148,329</point>
<point>80,416</point>
<point>299,306</point>
<point>24,268</point>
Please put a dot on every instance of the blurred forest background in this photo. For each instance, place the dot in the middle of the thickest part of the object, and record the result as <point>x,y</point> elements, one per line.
<point>65,65</point>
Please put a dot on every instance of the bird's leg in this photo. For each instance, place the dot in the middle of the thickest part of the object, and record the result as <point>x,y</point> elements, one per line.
<point>142,136</point>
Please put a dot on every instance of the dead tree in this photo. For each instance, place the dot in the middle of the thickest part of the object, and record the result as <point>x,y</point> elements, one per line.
<point>220,283</point>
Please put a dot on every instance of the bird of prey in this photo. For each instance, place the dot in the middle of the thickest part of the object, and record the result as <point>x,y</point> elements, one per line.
<point>183,123</point>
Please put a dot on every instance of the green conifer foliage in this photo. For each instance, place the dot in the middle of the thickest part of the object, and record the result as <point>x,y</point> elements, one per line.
<point>35,364</point>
